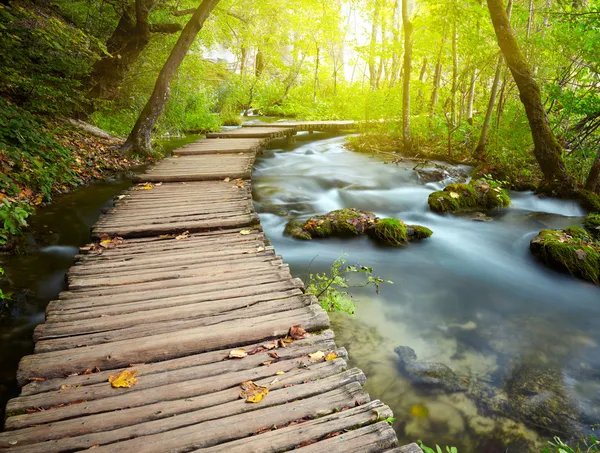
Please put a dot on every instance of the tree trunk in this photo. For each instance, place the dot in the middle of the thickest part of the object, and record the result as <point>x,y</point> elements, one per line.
<point>373,47</point>
<point>547,150</point>
<point>139,139</point>
<point>454,74</point>
<point>438,74</point>
<point>316,81</point>
<point>593,180</point>
<point>479,152</point>
<point>396,44</point>
<point>243,54</point>
<point>259,64</point>
<point>407,67</point>
<point>471,97</point>
<point>124,47</point>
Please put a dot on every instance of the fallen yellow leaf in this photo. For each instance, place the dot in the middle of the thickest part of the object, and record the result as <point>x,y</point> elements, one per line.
<point>244,232</point>
<point>227,179</point>
<point>279,373</point>
<point>184,235</point>
<point>316,356</point>
<point>331,356</point>
<point>237,353</point>
<point>252,393</point>
<point>125,378</point>
<point>454,195</point>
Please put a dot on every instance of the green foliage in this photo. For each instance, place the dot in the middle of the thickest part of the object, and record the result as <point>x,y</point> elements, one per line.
<point>44,60</point>
<point>13,218</point>
<point>588,445</point>
<point>331,288</point>
<point>29,155</point>
<point>438,449</point>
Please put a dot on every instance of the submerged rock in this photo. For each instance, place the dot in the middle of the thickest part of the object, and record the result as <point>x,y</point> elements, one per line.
<point>477,195</point>
<point>352,222</point>
<point>440,173</point>
<point>533,394</point>
<point>573,250</point>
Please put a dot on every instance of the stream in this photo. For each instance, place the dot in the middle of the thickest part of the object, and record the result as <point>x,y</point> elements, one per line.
<point>470,297</point>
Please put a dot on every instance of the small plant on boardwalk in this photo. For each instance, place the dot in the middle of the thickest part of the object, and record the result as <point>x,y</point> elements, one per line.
<point>330,287</point>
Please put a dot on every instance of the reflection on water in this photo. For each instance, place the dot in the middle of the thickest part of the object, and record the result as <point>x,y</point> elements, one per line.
<point>470,297</point>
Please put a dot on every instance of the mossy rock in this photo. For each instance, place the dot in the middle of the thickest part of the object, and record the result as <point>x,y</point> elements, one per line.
<point>389,231</point>
<point>352,222</point>
<point>476,195</point>
<point>417,232</point>
<point>592,224</point>
<point>572,250</point>
<point>341,223</point>
<point>294,228</point>
<point>589,200</point>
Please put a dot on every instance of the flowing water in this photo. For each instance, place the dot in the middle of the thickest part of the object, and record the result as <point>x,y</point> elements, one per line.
<point>471,297</point>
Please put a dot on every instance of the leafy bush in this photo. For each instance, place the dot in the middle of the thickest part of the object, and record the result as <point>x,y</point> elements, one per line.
<point>13,218</point>
<point>43,60</point>
<point>330,288</point>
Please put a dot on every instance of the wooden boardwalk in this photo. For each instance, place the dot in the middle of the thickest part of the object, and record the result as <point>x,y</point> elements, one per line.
<point>188,294</point>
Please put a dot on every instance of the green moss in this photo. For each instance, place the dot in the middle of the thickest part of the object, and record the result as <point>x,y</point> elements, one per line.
<point>231,120</point>
<point>418,232</point>
<point>295,228</point>
<point>592,224</point>
<point>477,194</point>
<point>389,231</point>
<point>589,200</point>
<point>572,250</point>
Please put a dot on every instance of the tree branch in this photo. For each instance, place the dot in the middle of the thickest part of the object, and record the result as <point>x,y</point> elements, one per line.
<point>165,28</point>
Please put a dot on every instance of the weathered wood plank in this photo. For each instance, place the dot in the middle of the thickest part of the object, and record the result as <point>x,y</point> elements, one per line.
<point>167,346</point>
<point>370,439</point>
<point>323,340</point>
<point>223,146</point>
<point>96,423</point>
<point>281,439</point>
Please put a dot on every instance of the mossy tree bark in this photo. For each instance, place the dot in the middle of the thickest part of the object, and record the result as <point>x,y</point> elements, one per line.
<point>125,45</point>
<point>437,77</point>
<point>593,180</point>
<point>547,150</point>
<point>408,44</point>
<point>139,139</point>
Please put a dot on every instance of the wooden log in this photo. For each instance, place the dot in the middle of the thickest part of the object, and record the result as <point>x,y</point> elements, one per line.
<point>371,438</point>
<point>58,311</point>
<point>323,340</point>
<point>107,329</point>
<point>124,417</point>
<point>166,346</point>
<point>183,432</point>
<point>287,438</point>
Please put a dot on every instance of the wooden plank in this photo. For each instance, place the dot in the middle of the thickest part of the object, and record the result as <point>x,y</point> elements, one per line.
<point>410,448</point>
<point>281,439</point>
<point>369,439</point>
<point>168,385</point>
<point>222,146</point>
<point>136,325</point>
<point>211,426</point>
<point>258,132</point>
<point>166,346</point>
<point>323,340</point>
<point>97,423</point>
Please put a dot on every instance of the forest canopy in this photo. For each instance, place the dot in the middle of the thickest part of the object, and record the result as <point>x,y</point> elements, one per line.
<point>526,112</point>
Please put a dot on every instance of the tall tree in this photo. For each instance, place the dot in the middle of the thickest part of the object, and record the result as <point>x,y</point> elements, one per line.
<point>139,138</point>
<point>124,46</point>
<point>479,152</point>
<point>546,149</point>
<point>408,44</point>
